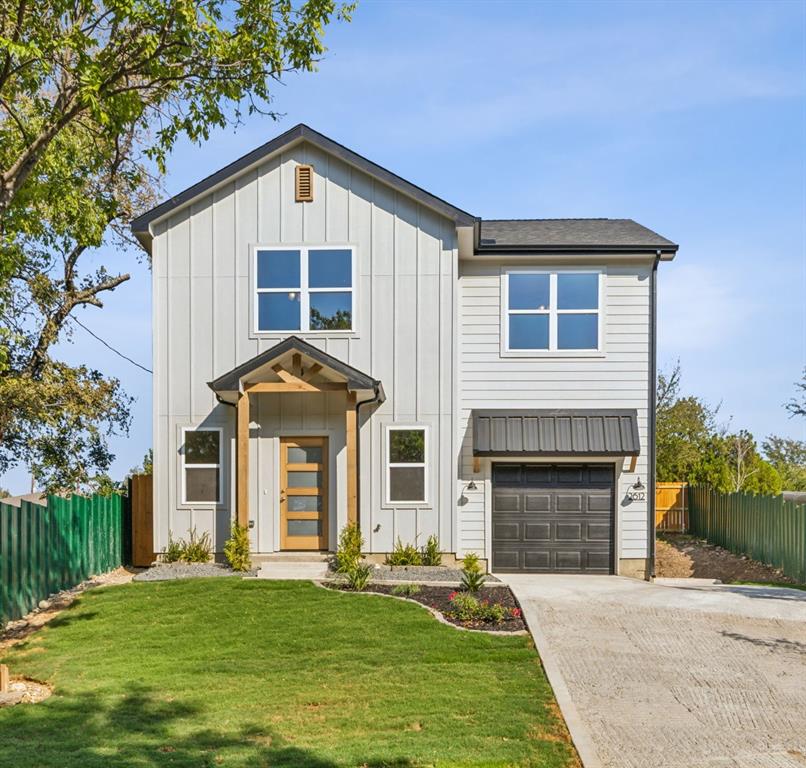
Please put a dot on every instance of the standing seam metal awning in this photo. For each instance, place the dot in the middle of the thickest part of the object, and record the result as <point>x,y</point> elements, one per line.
<point>562,432</point>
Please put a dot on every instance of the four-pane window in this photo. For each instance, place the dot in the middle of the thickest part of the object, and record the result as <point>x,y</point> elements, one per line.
<point>552,311</point>
<point>406,470</point>
<point>304,289</point>
<point>201,466</point>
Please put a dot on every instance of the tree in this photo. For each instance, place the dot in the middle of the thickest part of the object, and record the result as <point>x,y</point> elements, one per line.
<point>789,459</point>
<point>748,471</point>
<point>91,95</point>
<point>797,405</point>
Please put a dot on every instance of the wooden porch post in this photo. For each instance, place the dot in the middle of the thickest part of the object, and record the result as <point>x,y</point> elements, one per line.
<point>242,460</point>
<point>352,459</point>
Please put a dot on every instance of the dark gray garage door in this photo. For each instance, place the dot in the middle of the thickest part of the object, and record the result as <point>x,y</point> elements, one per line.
<point>553,518</point>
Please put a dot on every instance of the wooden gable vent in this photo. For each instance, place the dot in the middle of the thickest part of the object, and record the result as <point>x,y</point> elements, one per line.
<point>304,183</point>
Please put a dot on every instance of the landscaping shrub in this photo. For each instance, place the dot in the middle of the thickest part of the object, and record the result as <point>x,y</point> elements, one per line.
<point>357,577</point>
<point>406,590</point>
<point>472,577</point>
<point>431,554</point>
<point>198,548</point>
<point>468,608</point>
<point>236,548</point>
<point>173,552</point>
<point>348,554</point>
<point>404,554</point>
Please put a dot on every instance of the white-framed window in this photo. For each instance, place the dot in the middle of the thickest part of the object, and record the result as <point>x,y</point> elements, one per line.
<point>406,470</point>
<point>552,311</point>
<point>304,289</point>
<point>201,465</point>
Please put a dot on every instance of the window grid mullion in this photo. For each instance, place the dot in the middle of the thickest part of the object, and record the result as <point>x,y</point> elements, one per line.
<point>304,298</point>
<point>553,312</point>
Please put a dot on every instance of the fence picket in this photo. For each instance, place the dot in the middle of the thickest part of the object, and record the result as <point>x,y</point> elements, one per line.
<point>44,549</point>
<point>765,528</point>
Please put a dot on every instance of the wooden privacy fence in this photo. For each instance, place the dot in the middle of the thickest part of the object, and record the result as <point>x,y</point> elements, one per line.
<point>671,507</point>
<point>765,528</point>
<point>47,548</point>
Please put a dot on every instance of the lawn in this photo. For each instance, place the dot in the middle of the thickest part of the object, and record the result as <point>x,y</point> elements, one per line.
<point>225,672</point>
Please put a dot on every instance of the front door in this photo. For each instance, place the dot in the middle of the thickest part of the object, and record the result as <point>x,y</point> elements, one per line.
<point>303,493</point>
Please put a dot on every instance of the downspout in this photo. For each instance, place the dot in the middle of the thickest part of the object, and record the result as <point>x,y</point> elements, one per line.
<point>376,398</point>
<point>653,384</point>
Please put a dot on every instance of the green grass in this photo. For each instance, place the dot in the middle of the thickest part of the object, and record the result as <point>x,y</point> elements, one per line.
<point>225,672</point>
<point>770,584</point>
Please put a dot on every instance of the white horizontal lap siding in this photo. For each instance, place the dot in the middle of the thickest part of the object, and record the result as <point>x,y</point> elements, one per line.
<point>405,273</point>
<point>617,379</point>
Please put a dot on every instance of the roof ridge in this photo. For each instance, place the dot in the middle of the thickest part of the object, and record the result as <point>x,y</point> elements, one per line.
<point>562,218</point>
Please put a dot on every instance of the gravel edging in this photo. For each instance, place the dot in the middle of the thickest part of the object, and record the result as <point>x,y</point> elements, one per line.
<point>422,573</point>
<point>173,571</point>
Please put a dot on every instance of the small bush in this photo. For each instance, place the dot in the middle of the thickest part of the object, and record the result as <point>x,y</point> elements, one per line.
<point>236,548</point>
<point>472,577</point>
<point>404,554</point>
<point>431,554</point>
<point>198,548</point>
<point>406,590</point>
<point>348,555</point>
<point>173,552</point>
<point>357,577</point>
<point>468,608</point>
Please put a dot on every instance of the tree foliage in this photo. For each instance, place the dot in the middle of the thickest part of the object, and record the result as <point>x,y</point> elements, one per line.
<point>789,459</point>
<point>692,445</point>
<point>797,405</point>
<point>93,95</point>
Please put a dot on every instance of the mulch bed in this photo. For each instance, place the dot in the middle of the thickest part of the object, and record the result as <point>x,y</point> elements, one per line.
<point>439,599</point>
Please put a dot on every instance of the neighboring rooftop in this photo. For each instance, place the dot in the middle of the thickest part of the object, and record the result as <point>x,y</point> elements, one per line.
<point>568,234</point>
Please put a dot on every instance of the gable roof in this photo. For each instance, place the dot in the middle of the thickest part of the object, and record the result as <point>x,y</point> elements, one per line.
<point>356,380</point>
<point>297,134</point>
<point>570,235</point>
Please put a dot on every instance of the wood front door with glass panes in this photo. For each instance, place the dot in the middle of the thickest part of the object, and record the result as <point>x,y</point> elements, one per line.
<point>303,493</point>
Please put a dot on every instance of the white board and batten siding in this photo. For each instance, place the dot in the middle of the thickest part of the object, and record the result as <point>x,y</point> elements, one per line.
<point>618,378</point>
<point>405,303</point>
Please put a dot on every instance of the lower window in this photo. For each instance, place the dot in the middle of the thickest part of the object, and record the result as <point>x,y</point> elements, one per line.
<point>406,471</point>
<point>201,466</point>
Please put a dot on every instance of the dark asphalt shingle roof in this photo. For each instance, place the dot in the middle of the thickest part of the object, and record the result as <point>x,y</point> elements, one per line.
<point>569,233</point>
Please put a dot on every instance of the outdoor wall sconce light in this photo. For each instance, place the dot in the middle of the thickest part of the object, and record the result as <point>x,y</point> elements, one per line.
<point>639,486</point>
<point>471,486</point>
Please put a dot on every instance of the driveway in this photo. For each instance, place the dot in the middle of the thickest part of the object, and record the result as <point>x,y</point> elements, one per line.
<point>676,674</point>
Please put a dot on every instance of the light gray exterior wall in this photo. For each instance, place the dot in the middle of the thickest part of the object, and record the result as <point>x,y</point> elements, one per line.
<point>405,301</point>
<point>616,379</point>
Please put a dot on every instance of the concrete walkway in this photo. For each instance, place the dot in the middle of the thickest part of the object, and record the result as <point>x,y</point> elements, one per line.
<point>673,675</point>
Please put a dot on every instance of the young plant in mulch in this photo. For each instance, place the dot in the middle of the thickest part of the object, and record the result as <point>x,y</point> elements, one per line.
<point>472,577</point>
<point>470,610</point>
<point>406,590</point>
<point>197,549</point>
<point>236,548</point>
<point>353,574</point>
<point>430,553</point>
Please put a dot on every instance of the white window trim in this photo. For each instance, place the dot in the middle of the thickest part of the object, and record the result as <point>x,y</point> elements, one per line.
<point>304,290</point>
<point>220,467</point>
<point>553,312</point>
<point>407,464</point>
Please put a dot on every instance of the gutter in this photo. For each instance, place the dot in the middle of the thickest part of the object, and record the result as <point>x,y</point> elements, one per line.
<point>376,398</point>
<point>652,421</point>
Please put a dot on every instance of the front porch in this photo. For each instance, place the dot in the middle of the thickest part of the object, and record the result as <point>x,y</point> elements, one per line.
<point>310,486</point>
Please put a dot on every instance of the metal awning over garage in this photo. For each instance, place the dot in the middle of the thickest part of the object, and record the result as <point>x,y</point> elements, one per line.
<point>561,432</point>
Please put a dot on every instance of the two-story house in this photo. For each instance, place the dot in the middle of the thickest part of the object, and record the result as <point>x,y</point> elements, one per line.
<point>333,343</point>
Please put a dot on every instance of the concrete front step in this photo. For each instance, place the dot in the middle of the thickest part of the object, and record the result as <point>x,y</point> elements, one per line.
<point>293,569</point>
<point>291,557</point>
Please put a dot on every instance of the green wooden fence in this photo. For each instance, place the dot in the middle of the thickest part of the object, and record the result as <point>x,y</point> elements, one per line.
<point>766,528</point>
<point>44,549</point>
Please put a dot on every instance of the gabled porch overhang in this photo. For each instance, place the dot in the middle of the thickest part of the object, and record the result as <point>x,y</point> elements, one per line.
<point>295,366</point>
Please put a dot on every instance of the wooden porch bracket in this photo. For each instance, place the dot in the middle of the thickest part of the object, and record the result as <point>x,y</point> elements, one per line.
<point>351,424</point>
<point>242,460</point>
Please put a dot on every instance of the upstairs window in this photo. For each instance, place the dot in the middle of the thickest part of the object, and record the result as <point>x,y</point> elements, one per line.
<point>304,289</point>
<point>406,468</point>
<point>201,466</point>
<point>551,311</point>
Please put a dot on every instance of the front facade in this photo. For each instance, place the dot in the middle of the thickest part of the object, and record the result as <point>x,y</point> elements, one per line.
<point>334,344</point>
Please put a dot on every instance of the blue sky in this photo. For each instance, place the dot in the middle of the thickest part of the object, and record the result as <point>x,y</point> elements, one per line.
<point>688,117</point>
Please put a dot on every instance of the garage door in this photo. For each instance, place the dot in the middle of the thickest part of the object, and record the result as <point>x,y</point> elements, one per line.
<point>553,518</point>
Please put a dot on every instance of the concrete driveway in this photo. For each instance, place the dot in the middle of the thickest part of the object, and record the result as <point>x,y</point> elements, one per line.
<point>676,674</point>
